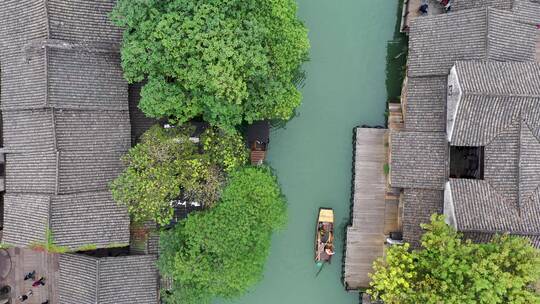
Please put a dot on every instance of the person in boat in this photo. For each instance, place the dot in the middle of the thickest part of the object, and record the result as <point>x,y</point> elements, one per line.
<point>326,235</point>
<point>329,249</point>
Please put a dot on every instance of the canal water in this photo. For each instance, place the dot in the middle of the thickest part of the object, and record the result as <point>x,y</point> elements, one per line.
<point>345,87</point>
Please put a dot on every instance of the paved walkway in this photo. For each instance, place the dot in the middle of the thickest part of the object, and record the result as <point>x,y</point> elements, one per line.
<point>411,11</point>
<point>365,237</point>
<point>24,261</point>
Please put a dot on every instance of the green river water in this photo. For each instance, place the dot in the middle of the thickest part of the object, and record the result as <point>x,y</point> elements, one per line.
<point>312,155</point>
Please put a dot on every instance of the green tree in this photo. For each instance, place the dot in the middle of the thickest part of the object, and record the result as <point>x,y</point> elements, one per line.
<point>167,165</point>
<point>449,270</point>
<point>227,60</point>
<point>221,252</point>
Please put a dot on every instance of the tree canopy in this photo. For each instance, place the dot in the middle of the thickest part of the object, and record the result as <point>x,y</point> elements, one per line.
<point>449,270</point>
<point>167,165</point>
<point>228,61</point>
<point>221,252</point>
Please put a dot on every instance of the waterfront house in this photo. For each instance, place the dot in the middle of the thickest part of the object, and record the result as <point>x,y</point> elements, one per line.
<point>108,280</point>
<point>421,153</point>
<point>65,125</point>
<point>494,116</point>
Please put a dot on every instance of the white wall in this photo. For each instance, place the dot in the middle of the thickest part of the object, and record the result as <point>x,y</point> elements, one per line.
<point>454,93</point>
<point>448,210</point>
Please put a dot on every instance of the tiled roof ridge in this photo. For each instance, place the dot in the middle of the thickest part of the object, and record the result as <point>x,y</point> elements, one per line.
<point>506,127</point>
<point>521,201</point>
<point>486,38</point>
<point>89,46</point>
<point>98,269</point>
<point>501,197</point>
<point>519,190</point>
<point>62,109</point>
<point>509,231</point>
<point>59,195</point>
<point>474,93</point>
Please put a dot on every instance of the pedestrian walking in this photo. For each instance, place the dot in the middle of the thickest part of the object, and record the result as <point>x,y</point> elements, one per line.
<point>30,275</point>
<point>25,297</point>
<point>41,282</point>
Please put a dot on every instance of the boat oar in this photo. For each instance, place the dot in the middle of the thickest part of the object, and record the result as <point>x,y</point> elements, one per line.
<point>321,266</point>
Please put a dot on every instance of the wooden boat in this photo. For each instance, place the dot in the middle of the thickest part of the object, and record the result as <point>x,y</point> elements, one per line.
<point>324,236</point>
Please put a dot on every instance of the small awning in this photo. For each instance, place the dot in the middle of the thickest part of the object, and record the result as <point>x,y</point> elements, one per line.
<point>326,215</point>
<point>259,131</point>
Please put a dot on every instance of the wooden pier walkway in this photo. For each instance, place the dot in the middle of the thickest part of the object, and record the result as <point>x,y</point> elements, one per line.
<point>366,234</point>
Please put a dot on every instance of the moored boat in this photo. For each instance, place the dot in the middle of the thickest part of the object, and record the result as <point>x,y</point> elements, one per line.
<point>324,236</point>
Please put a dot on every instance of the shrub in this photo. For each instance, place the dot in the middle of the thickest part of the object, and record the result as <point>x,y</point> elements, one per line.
<point>221,252</point>
<point>225,60</point>
<point>49,244</point>
<point>166,165</point>
<point>386,169</point>
<point>449,270</point>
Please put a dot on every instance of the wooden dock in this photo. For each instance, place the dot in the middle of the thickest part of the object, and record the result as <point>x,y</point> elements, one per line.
<point>366,234</point>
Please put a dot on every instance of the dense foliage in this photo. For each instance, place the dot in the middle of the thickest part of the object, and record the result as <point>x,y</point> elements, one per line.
<point>449,270</point>
<point>167,165</point>
<point>221,252</point>
<point>227,60</point>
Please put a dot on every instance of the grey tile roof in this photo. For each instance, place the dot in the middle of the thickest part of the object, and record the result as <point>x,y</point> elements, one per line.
<point>59,77</point>
<point>21,21</point>
<point>458,5</point>
<point>66,118</point>
<point>507,200</point>
<point>25,219</point>
<point>82,20</point>
<point>79,79</point>
<point>479,34</point>
<point>65,130</point>
<point>78,280</point>
<point>52,172</point>
<point>31,172</point>
<point>56,35</point>
<point>529,10</point>
<point>22,81</point>
<point>418,206</point>
<point>75,220</point>
<point>496,78</point>
<point>500,110</point>
<point>426,104</point>
<point>74,20</point>
<point>78,220</point>
<point>419,160</point>
<point>480,207</point>
<point>509,37</point>
<point>495,95</point>
<point>110,280</point>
